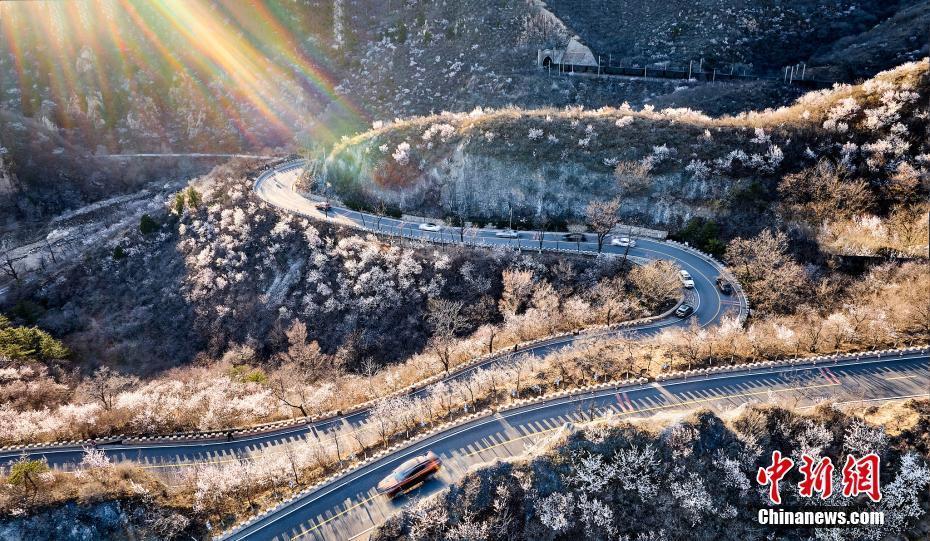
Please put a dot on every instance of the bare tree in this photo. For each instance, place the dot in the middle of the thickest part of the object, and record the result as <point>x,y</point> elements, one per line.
<point>105,385</point>
<point>612,296</point>
<point>579,229</point>
<point>467,387</point>
<point>293,461</point>
<point>9,265</point>
<point>358,435</point>
<point>443,393</point>
<point>602,217</point>
<point>370,367</point>
<point>812,327</point>
<point>632,177</point>
<point>426,409</point>
<point>385,415</point>
<point>305,355</point>
<point>289,385</point>
<point>824,191</point>
<point>517,369</point>
<point>518,286</point>
<point>542,223</point>
<point>442,347</point>
<point>313,155</point>
<point>318,448</point>
<point>650,351</point>
<point>690,344</point>
<point>340,432</point>
<point>460,222</point>
<point>490,380</point>
<point>446,320</point>
<point>380,210</point>
<point>657,282</point>
<point>491,332</point>
<point>766,270</point>
<point>407,414</point>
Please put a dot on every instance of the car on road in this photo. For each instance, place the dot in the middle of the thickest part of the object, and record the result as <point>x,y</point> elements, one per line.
<point>623,242</point>
<point>724,286</point>
<point>429,226</point>
<point>684,310</point>
<point>410,474</point>
<point>686,279</point>
<point>507,234</point>
<point>574,237</point>
<point>325,206</point>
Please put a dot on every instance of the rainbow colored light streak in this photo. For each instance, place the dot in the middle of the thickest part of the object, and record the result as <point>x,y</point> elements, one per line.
<point>244,57</point>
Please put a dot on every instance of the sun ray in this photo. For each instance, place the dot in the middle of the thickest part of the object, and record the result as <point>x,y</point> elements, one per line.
<point>244,58</point>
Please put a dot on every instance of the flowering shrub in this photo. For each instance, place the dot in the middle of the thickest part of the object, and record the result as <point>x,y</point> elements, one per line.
<point>603,478</point>
<point>699,169</point>
<point>402,153</point>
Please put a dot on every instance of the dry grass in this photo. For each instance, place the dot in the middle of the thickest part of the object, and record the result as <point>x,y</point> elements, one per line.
<point>897,416</point>
<point>120,481</point>
<point>814,104</point>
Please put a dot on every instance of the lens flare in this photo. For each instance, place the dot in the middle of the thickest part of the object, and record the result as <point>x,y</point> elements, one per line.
<point>248,58</point>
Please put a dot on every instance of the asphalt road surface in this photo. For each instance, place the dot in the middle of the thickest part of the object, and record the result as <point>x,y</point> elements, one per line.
<point>350,508</point>
<point>277,187</point>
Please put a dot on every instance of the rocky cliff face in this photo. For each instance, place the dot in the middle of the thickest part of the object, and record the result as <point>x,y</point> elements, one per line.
<point>106,521</point>
<point>487,187</point>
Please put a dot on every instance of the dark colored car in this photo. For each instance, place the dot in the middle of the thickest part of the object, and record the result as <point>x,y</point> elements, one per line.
<point>323,205</point>
<point>684,310</point>
<point>574,237</point>
<point>410,474</point>
<point>724,286</point>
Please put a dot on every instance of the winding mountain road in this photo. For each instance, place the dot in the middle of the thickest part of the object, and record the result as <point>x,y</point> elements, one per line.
<point>277,187</point>
<point>346,507</point>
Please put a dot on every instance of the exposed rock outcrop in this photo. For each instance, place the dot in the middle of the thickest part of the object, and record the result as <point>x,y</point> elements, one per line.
<point>114,520</point>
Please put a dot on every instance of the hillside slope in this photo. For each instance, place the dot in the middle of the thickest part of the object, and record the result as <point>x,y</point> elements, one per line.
<point>900,38</point>
<point>275,72</point>
<point>310,71</point>
<point>761,36</point>
<point>668,166</point>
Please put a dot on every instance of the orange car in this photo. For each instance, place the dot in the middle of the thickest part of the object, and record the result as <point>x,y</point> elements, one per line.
<point>410,474</point>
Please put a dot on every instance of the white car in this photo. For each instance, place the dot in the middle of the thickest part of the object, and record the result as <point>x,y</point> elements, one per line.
<point>623,242</point>
<point>686,279</point>
<point>429,226</point>
<point>507,234</point>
